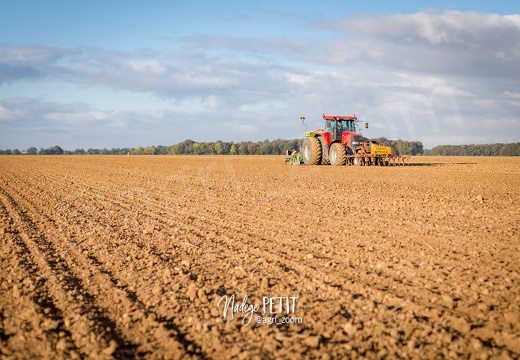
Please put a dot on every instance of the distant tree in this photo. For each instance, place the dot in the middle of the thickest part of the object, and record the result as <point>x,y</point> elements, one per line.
<point>56,150</point>
<point>32,151</point>
<point>173,150</point>
<point>242,149</point>
<point>79,152</point>
<point>232,150</point>
<point>150,150</point>
<point>186,147</point>
<point>210,149</point>
<point>138,151</point>
<point>507,150</point>
<point>218,147</point>
<point>225,148</point>
<point>252,148</point>
<point>277,146</point>
<point>197,148</point>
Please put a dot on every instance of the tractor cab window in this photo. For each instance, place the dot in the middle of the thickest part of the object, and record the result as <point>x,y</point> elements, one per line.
<point>329,126</point>
<point>348,126</point>
<point>339,129</point>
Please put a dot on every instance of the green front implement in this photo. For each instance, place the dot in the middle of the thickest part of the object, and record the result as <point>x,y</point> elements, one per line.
<point>295,158</point>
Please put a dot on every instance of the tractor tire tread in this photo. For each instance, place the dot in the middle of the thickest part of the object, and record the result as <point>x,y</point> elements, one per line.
<point>341,157</point>
<point>315,156</point>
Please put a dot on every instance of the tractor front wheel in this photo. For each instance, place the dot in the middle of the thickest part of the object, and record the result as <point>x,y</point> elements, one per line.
<point>338,154</point>
<point>311,151</point>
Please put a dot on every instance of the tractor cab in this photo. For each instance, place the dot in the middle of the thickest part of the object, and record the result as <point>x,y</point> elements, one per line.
<point>337,125</point>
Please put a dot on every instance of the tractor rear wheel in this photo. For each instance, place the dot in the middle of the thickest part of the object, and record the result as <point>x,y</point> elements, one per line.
<point>338,154</point>
<point>311,151</point>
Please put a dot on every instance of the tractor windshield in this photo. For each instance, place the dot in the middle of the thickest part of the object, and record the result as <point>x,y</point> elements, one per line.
<point>346,125</point>
<point>340,126</point>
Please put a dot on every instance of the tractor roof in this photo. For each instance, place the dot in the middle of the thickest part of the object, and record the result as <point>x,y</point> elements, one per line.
<point>337,117</point>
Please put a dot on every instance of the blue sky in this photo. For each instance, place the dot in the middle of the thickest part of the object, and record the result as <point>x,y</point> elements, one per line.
<point>122,74</point>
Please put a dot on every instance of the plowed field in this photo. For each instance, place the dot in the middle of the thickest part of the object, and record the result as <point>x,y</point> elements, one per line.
<point>138,257</point>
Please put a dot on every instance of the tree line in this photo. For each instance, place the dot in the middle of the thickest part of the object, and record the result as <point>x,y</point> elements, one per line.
<point>512,149</point>
<point>275,147</point>
<point>187,147</point>
<point>190,147</point>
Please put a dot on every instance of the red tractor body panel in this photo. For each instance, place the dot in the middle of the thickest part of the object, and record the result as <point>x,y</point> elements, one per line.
<point>337,117</point>
<point>323,134</point>
<point>326,137</point>
<point>346,138</point>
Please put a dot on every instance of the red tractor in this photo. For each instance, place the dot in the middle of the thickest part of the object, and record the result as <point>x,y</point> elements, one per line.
<point>340,144</point>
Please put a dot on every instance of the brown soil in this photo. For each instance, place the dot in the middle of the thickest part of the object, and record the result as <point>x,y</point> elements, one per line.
<point>128,257</point>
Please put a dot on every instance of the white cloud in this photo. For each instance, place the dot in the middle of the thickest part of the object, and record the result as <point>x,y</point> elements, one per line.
<point>297,78</point>
<point>7,114</point>
<point>514,18</point>
<point>450,42</point>
<point>74,118</point>
<point>149,67</point>
<point>32,55</point>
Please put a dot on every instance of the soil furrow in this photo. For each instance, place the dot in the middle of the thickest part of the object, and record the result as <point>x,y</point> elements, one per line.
<point>147,312</point>
<point>83,316</point>
<point>94,290</point>
<point>27,291</point>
